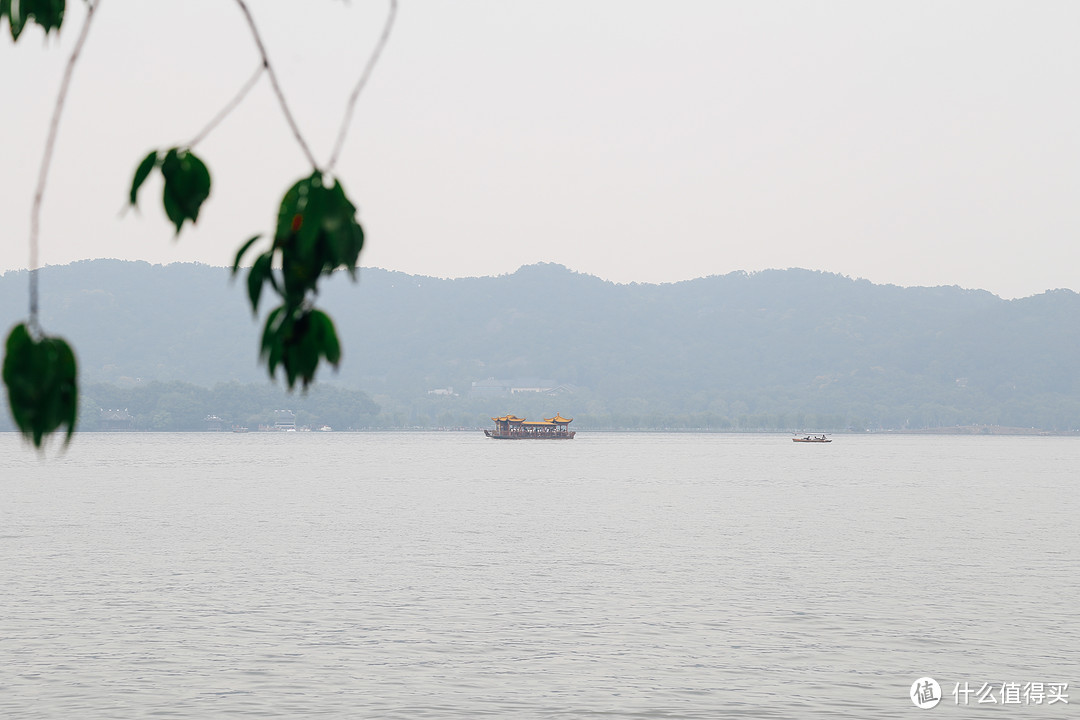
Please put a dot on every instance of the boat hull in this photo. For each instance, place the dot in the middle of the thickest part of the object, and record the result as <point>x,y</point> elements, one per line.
<point>529,436</point>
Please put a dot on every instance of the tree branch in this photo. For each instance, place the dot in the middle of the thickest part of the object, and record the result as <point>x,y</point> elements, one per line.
<point>360,85</point>
<point>274,83</point>
<point>46,160</point>
<point>230,107</point>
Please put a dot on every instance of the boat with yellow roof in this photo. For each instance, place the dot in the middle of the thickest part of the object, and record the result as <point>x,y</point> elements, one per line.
<point>511,427</point>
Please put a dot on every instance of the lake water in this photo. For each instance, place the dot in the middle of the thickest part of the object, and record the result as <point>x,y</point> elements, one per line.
<point>434,575</point>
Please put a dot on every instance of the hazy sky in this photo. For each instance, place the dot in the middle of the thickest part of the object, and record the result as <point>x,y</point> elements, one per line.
<point>915,143</point>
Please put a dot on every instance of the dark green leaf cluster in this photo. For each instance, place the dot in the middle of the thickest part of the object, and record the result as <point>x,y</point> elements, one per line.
<point>40,375</point>
<point>296,338</point>
<point>49,14</point>
<point>186,187</point>
<point>317,234</point>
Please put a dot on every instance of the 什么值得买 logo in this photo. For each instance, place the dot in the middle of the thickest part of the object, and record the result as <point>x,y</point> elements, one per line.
<point>925,693</point>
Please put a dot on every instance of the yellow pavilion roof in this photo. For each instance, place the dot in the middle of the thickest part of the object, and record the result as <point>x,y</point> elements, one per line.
<point>558,419</point>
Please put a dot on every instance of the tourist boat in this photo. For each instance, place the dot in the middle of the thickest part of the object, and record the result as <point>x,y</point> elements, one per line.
<point>811,438</point>
<point>511,427</point>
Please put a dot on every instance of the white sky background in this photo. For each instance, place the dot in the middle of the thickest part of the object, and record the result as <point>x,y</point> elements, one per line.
<point>915,143</point>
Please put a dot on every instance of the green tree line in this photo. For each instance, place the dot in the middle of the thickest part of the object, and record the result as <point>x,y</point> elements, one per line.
<point>181,407</point>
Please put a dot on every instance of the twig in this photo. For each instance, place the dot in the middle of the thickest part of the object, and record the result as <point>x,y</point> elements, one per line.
<point>360,85</point>
<point>230,107</point>
<point>274,83</point>
<point>46,160</point>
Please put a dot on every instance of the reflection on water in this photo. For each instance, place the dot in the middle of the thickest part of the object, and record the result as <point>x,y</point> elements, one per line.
<point>449,576</point>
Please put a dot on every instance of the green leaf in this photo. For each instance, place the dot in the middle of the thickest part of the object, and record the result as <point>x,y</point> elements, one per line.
<point>240,253</point>
<point>141,173</point>
<point>326,336</point>
<point>170,168</point>
<point>258,275</point>
<point>172,210</point>
<point>295,357</point>
<point>297,339</point>
<point>16,19</point>
<point>307,350</point>
<point>316,234</point>
<point>272,342</point>
<point>311,209</point>
<point>49,14</point>
<point>348,241</point>
<point>69,372</point>
<point>291,207</point>
<point>187,186</point>
<point>346,235</point>
<point>41,379</point>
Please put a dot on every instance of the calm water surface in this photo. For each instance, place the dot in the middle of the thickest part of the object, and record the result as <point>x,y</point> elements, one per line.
<point>615,576</point>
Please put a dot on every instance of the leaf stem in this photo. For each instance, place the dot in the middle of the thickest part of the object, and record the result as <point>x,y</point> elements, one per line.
<point>276,86</point>
<point>229,107</point>
<point>46,160</point>
<point>360,85</point>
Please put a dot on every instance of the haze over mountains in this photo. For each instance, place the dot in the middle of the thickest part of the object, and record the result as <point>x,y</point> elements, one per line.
<point>773,349</point>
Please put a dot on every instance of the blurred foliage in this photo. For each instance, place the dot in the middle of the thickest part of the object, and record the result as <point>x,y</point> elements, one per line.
<point>42,382</point>
<point>49,14</point>
<point>317,233</point>
<point>185,186</point>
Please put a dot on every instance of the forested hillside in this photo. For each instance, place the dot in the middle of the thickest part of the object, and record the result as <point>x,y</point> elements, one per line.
<point>774,349</point>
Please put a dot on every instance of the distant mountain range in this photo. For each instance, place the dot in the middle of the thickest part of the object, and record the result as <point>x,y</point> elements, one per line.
<point>778,348</point>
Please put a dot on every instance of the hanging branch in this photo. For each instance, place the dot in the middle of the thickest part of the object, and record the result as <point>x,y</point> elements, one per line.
<point>276,86</point>
<point>360,85</point>
<point>46,160</point>
<point>317,234</point>
<point>230,107</point>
